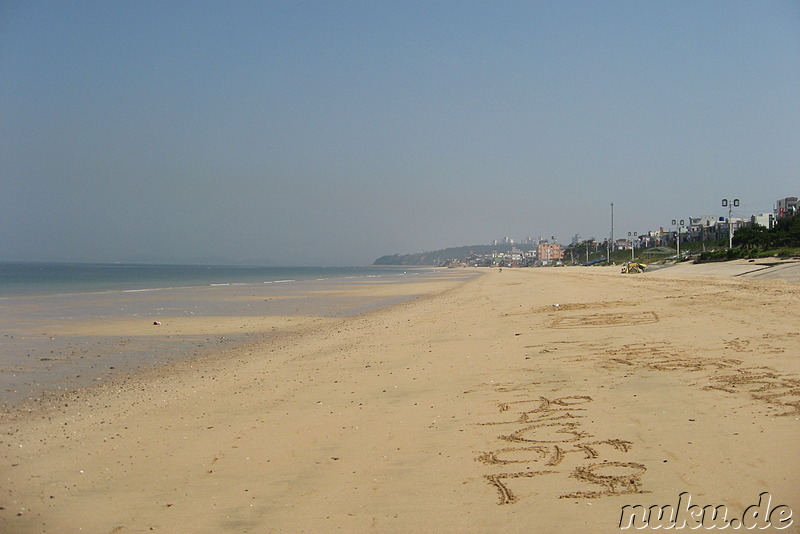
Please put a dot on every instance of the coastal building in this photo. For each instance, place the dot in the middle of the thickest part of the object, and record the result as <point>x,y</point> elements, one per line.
<point>706,228</point>
<point>767,220</point>
<point>547,252</point>
<point>516,256</point>
<point>623,244</point>
<point>786,207</point>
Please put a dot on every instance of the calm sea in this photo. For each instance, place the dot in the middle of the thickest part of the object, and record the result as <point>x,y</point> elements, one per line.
<point>29,279</point>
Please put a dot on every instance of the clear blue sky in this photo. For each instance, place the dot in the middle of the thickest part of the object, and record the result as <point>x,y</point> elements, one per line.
<point>333,132</point>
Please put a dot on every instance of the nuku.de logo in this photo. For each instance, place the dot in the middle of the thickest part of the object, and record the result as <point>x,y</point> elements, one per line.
<point>687,515</point>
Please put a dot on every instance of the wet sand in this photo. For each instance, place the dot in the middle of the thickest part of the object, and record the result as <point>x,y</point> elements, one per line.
<point>538,400</point>
<point>57,343</point>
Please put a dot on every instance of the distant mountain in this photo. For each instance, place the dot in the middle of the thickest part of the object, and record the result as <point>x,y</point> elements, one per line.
<point>437,256</point>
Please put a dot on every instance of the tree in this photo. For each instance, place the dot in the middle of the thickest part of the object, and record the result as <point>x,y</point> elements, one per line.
<point>786,233</point>
<point>750,237</point>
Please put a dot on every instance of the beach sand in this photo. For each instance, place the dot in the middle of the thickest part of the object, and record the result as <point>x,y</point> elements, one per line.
<point>527,400</point>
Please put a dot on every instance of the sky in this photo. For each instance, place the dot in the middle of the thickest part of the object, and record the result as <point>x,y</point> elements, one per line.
<point>334,132</point>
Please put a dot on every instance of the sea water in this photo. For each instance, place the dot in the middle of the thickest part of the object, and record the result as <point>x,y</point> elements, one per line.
<point>37,299</point>
<point>26,279</point>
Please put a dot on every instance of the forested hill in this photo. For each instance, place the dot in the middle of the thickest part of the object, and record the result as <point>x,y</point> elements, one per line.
<point>437,256</point>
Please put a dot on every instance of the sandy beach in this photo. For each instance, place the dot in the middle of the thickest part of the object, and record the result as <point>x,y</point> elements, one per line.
<point>527,400</point>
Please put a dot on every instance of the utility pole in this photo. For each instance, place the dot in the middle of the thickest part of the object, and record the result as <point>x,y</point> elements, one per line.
<point>730,205</point>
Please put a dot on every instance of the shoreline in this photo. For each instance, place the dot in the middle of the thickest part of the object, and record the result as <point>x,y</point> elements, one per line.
<point>478,406</point>
<point>53,344</point>
<point>52,279</point>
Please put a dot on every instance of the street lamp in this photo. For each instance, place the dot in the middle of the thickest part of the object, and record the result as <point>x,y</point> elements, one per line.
<point>631,242</point>
<point>730,205</point>
<point>674,222</point>
<point>611,239</point>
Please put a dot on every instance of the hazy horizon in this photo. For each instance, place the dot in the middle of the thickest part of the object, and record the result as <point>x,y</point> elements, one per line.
<point>333,133</point>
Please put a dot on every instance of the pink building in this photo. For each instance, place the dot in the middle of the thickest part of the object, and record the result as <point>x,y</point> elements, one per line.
<point>550,251</point>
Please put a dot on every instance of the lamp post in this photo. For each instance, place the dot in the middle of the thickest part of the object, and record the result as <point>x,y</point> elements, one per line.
<point>631,242</point>
<point>611,239</point>
<point>674,222</point>
<point>730,205</point>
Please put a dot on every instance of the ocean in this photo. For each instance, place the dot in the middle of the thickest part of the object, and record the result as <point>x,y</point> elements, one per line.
<point>28,279</point>
<point>46,346</point>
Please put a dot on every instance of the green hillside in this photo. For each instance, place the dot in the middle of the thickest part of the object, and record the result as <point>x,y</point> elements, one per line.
<point>438,256</point>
